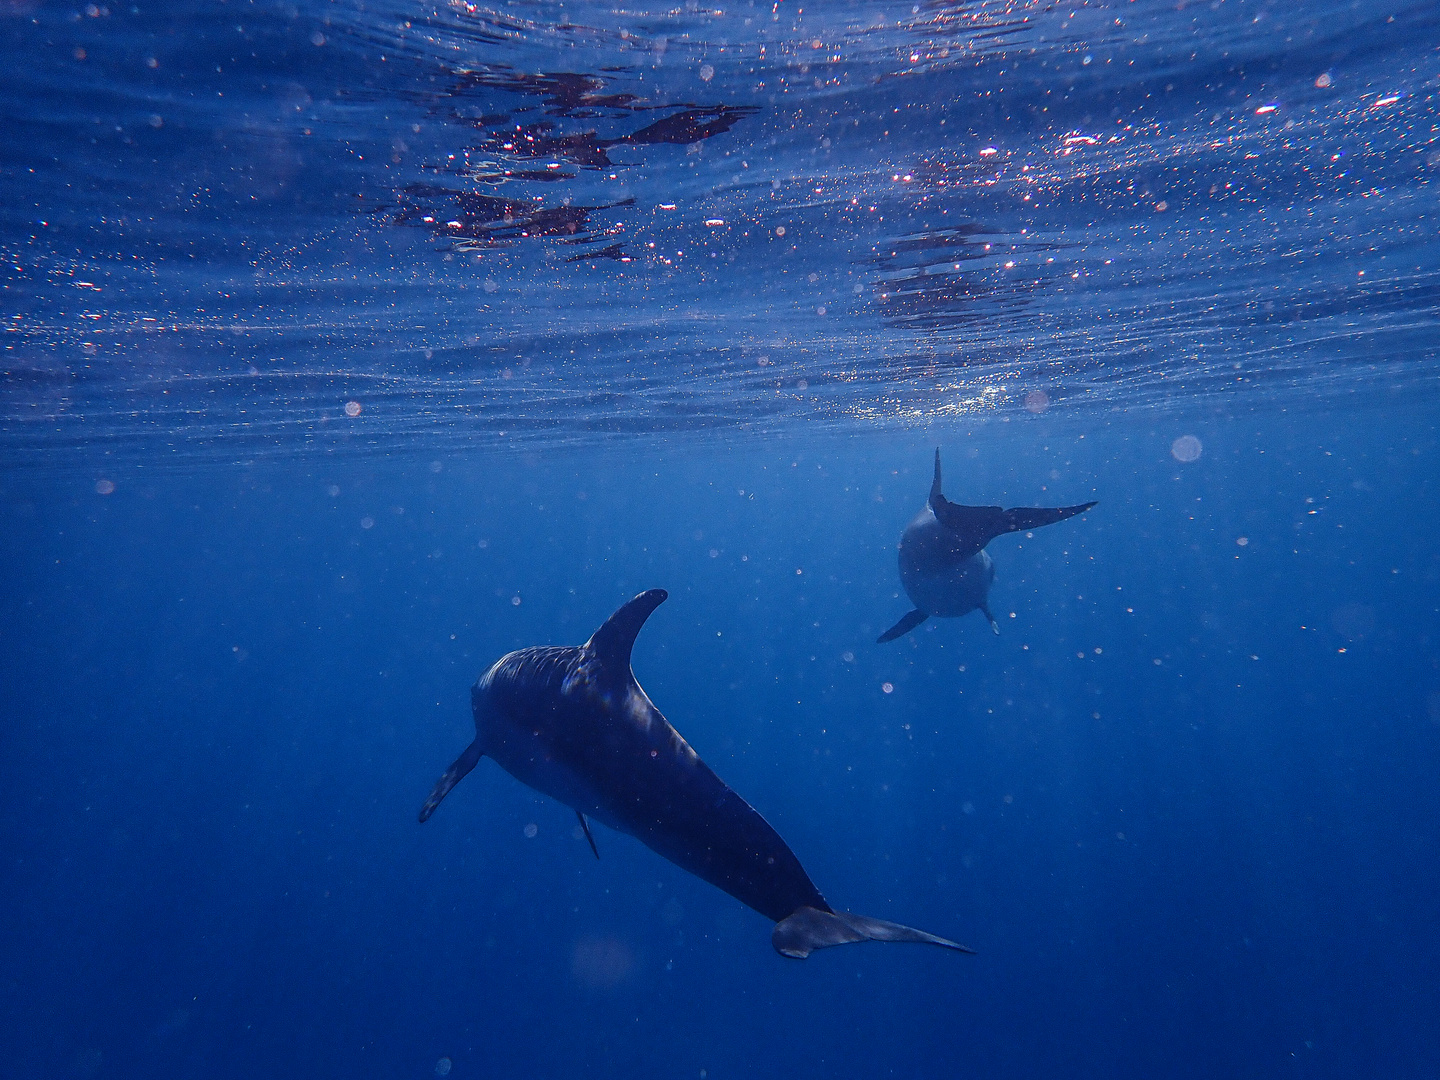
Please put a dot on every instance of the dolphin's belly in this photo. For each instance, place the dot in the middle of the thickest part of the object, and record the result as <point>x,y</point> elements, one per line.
<point>528,758</point>
<point>948,590</point>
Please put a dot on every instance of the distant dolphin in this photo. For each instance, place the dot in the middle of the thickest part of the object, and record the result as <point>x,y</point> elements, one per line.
<point>943,563</point>
<point>573,723</point>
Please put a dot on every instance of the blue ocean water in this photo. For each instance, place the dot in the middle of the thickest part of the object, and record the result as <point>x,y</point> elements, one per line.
<point>349,346</point>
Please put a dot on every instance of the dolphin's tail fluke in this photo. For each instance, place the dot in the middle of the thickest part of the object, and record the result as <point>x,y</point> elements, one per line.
<point>810,929</point>
<point>453,775</point>
<point>976,526</point>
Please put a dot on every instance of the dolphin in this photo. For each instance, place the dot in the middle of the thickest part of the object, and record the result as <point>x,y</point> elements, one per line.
<point>573,723</point>
<point>944,566</point>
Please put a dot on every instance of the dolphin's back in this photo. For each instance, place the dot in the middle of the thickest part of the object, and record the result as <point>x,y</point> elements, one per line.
<point>564,722</point>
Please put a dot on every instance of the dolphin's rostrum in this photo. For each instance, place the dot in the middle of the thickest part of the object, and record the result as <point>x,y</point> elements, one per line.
<point>944,567</point>
<point>574,724</point>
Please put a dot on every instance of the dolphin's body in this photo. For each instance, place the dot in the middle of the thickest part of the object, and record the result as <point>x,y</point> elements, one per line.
<point>944,566</point>
<point>574,724</point>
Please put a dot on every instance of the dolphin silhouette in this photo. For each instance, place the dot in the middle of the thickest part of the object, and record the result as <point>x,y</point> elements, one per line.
<point>944,566</point>
<point>573,723</point>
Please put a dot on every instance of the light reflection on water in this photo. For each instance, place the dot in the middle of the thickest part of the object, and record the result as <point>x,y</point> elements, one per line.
<point>545,223</point>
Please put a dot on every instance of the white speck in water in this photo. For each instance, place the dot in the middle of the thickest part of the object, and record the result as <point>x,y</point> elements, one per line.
<point>889,688</point>
<point>352,408</point>
<point>514,601</point>
<point>333,489</point>
<point>531,830</point>
<point>367,522</point>
<point>706,72</point>
<point>104,487</point>
<point>442,1067</point>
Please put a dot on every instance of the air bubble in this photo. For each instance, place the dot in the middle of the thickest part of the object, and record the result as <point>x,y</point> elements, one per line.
<point>1186,448</point>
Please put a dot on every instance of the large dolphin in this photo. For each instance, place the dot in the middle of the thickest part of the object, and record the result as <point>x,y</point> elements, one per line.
<point>944,566</point>
<point>573,723</point>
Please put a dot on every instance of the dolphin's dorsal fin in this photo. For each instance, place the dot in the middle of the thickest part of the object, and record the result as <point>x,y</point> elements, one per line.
<point>613,641</point>
<point>935,495</point>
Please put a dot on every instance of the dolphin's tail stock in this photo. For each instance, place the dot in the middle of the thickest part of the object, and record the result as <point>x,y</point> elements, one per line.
<point>809,929</point>
<point>453,775</point>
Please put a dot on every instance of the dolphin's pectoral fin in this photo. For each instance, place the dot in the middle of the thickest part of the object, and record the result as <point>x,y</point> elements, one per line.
<point>904,626</point>
<point>586,826</point>
<point>453,775</point>
<point>809,929</point>
<point>995,626</point>
<point>613,641</point>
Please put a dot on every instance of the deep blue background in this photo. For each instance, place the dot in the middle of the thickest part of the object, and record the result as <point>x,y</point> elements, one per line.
<point>1184,806</point>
